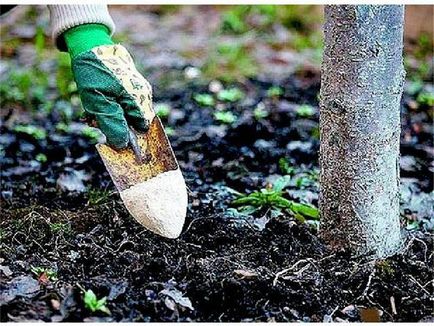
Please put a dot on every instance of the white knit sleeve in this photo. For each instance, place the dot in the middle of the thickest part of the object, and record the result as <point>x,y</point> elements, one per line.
<point>64,17</point>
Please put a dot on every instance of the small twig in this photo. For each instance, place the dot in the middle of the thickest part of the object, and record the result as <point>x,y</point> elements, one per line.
<point>392,304</point>
<point>417,283</point>
<point>284,271</point>
<point>333,312</point>
<point>365,291</point>
<point>80,287</point>
<point>195,220</point>
<point>427,283</point>
<point>425,246</point>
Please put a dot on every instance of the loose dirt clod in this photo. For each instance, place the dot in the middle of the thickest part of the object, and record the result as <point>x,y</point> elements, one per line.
<point>159,204</point>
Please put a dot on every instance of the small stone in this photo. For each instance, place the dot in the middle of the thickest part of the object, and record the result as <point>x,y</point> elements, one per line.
<point>191,72</point>
<point>55,304</point>
<point>215,86</point>
<point>262,144</point>
<point>6,270</point>
<point>7,194</point>
<point>299,145</point>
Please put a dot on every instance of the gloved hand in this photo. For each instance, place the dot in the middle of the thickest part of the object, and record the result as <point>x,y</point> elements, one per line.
<point>113,93</point>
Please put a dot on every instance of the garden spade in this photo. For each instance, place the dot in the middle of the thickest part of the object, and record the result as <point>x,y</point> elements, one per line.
<point>147,174</point>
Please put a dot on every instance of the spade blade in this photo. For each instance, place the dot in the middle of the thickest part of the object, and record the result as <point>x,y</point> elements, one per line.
<point>149,180</point>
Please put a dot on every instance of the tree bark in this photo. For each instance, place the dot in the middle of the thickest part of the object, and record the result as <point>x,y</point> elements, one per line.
<point>361,88</point>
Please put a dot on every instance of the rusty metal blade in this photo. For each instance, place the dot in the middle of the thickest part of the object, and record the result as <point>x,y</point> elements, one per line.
<point>123,166</point>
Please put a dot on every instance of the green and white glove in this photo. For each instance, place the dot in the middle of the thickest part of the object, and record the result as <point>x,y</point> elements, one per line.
<point>113,93</point>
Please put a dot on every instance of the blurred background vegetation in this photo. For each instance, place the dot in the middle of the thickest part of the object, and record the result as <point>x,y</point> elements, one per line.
<point>172,44</point>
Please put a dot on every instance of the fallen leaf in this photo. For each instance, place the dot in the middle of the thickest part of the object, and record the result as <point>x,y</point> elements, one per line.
<point>178,297</point>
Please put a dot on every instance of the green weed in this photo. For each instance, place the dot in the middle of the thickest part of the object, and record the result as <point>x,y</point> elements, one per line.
<point>169,131</point>
<point>162,110</point>
<point>226,117</point>
<point>233,20</point>
<point>49,273</point>
<point>311,40</point>
<point>39,42</point>
<point>305,111</point>
<point>41,157</point>
<point>231,95</point>
<point>63,127</point>
<point>286,167</point>
<point>275,91</point>
<point>273,198</point>
<point>37,133</point>
<point>424,46</point>
<point>90,133</point>
<point>98,196</point>
<point>92,303</point>
<point>315,133</point>
<point>416,72</point>
<point>204,99</point>
<point>60,227</point>
<point>260,112</point>
<point>425,99</point>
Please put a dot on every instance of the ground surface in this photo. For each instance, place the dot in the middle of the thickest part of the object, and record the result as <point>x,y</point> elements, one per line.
<point>64,229</point>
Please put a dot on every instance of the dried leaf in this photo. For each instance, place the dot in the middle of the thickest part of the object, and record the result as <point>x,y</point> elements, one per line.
<point>178,297</point>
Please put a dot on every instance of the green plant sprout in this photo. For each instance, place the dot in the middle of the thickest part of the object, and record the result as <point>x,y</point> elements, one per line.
<point>204,99</point>
<point>275,91</point>
<point>60,227</point>
<point>41,157</point>
<point>92,303</point>
<point>233,20</point>
<point>425,98</point>
<point>226,117</point>
<point>36,132</point>
<point>162,110</point>
<point>272,197</point>
<point>49,273</point>
<point>231,95</point>
<point>98,196</point>
<point>91,133</point>
<point>424,46</point>
<point>169,131</point>
<point>286,167</point>
<point>259,112</point>
<point>63,127</point>
<point>305,111</point>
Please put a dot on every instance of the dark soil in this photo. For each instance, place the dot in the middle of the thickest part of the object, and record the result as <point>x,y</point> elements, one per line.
<point>230,267</point>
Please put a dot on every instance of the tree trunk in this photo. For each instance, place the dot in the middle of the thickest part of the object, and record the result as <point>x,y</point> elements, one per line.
<point>361,89</point>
